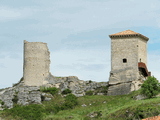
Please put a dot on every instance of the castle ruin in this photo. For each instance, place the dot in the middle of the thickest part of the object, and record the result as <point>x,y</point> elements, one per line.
<point>128,62</point>
<point>36,63</point>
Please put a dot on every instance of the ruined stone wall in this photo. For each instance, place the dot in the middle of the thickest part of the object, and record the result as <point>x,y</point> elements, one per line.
<point>36,63</point>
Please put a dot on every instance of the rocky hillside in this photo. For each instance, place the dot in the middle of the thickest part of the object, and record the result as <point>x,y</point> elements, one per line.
<point>24,95</point>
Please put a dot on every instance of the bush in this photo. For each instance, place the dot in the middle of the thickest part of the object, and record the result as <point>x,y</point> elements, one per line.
<point>15,99</point>
<point>51,90</point>
<point>30,112</point>
<point>1,102</point>
<point>150,87</point>
<point>70,102</point>
<point>52,108</point>
<point>66,91</point>
<point>89,92</point>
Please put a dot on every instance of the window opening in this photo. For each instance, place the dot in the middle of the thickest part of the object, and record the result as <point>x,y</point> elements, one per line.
<point>124,60</point>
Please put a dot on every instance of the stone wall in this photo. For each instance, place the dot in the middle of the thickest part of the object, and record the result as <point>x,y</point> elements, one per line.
<point>142,51</point>
<point>36,63</point>
<point>124,48</point>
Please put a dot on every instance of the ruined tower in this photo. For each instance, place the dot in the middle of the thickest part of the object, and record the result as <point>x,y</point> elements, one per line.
<point>128,62</point>
<point>36,63</point>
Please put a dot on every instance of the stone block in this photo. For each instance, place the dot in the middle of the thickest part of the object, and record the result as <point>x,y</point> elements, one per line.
<point>119,89</point>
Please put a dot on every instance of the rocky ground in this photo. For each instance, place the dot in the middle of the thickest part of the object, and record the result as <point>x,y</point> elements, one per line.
<point>24,95</point>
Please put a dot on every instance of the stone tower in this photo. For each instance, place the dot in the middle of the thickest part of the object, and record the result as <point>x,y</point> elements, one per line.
<point>128,62</point>
<point>36,63</point>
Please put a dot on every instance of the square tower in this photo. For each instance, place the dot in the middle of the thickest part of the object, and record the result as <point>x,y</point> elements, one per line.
<point>128,53</point>
<point>36,63</point>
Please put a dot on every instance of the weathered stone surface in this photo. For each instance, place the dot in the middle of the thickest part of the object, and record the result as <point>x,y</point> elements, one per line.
<point>132,85</point>
<point>140,97</point>
<point>36,63</point>
<point>119,89</point>
<point>122,75</point>
<point>78,87</point>
<point>22,95</point>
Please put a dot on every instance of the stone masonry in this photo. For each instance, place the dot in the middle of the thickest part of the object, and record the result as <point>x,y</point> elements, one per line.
<point>128,49</point>
<point>36,63</point>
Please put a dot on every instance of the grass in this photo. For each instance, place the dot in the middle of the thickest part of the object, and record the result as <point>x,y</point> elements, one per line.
<point>123,107</point>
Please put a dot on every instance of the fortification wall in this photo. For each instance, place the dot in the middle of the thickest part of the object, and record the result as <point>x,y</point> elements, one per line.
<point>36,63</point>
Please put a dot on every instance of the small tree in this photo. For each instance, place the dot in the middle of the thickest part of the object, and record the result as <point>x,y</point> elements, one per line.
<point>150,87</point>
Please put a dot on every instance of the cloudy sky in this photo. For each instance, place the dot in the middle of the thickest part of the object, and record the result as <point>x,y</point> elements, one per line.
<point>76,32</point>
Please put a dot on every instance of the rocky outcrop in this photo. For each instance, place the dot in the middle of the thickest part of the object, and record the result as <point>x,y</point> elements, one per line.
<point>78,87</point>
<point>23,95</point>
<point>122,82</point>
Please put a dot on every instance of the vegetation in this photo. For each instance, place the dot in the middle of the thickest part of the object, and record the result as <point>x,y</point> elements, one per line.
<point>30,112</point>
<point>1,102</point>
<point>103,89</point>
<point>66,91</point>
<point>51,90</point>
<point>123,107</point>
<point>150,87</point>
<point>39,112</point>
<point>89,92</point>
<point>70,102</point>
<point>15,99</point>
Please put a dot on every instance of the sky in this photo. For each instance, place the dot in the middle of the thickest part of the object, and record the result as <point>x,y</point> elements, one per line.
<point>76,32</point>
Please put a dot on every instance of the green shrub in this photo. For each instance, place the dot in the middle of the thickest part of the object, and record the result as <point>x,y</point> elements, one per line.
<point>15,99</point>
<point>66,91</point>
<point>70,102</point>
<point>1,102</point>
<point>51,90</point>
<point>52,108</point>
<point>150,87</point>
<point>104,89</point>
<point>90,81</point>
<point>30,112</point>
<point>89,92</point>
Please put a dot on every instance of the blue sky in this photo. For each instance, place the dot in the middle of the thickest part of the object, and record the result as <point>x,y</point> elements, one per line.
<point>76,32</point>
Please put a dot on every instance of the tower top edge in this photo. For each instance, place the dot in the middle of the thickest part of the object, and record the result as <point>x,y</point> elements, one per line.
<point>25,41</point>
<point>128,33</point>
